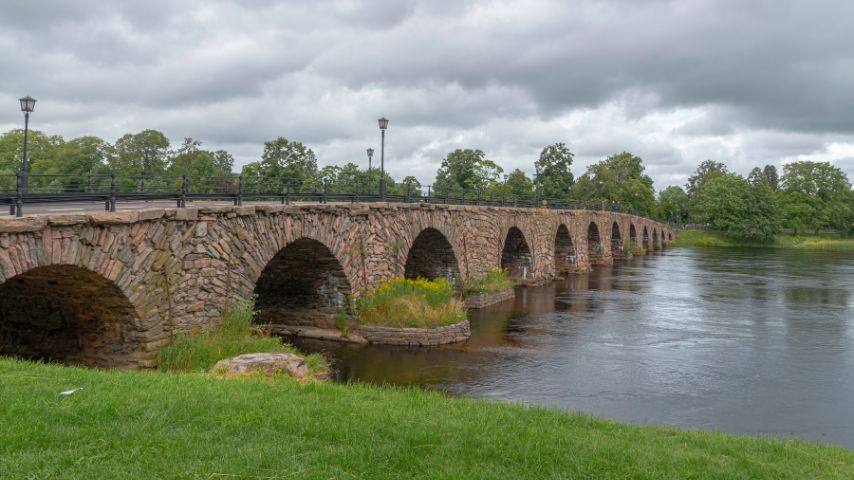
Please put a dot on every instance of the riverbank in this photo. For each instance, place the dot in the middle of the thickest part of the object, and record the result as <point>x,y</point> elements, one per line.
<point>710,238</point>
<point>156,425</point>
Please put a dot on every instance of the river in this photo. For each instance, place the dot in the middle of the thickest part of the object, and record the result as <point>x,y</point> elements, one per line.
<point>758,342</point>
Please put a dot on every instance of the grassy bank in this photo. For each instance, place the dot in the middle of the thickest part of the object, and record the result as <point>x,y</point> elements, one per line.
<point>234,335</point>
<point>709,238</point>
<point>156,425</point>
<point>495,280</point>
<point>403,302</point>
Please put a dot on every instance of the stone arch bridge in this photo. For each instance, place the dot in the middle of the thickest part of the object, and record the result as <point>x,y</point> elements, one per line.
<point>107,289</point>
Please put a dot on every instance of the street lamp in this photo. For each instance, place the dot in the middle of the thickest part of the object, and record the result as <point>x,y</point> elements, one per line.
<point>370,179</point>
<point>27,105</point>
<point>383,125</point>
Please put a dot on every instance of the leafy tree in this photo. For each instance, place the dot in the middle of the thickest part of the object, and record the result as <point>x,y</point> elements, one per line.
<point>816,195</point>
<point>705,171</point>
<point>553,177</point>
<point>618,179</point>
<point>409,186</point>
<point>466,170</point>
<point>190,159</point>
<point>41,149</point>
<point>771,176</point>
<point>673,204</point>
<point>730,203</point>
<point>145,155</point>
<point>519,186</point>
<point>286,162</point>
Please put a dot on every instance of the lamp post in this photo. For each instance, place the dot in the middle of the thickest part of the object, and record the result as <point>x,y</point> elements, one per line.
<point>370,179</point>
<point>383,125</point>
<point>27,105</point>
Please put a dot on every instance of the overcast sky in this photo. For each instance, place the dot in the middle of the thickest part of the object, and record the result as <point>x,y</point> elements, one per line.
<point>676,82</point>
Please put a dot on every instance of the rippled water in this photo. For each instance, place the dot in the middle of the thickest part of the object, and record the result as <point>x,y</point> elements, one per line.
<point>743,341</point>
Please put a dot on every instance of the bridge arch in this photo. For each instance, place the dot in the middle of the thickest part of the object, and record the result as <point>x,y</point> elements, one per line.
<point>68,314</point>
<point>431,256</point>
<point>595,251</point>
<point>516,255</point>
<point>633,234</point>
<point>303,284</point>
<point>565,255</point>
<point>616,241</point>
<point>645,238</point>
<point>663,239</point>
<point>655,240</point>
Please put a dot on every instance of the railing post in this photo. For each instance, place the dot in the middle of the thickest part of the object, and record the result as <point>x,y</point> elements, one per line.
<point>112,192</point>
<point>19,194</point>
<point>323,192</point>
<point>408,192</point>
<point>238,201</point>
<point>428,193</point>
<point>288,193</point>
<point>447,194</point>
<point>479,197</point>
<point>182,197</point>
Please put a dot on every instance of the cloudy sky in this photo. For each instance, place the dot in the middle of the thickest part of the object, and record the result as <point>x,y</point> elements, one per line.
<point>676,82</point>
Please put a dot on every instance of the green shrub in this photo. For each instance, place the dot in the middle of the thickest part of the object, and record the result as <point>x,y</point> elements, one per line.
<point>402,302</point>
<point>495,280</point>
<point>234,335</point>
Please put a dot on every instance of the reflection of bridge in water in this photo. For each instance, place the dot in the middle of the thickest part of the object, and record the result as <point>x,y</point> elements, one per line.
<point>107,288</point>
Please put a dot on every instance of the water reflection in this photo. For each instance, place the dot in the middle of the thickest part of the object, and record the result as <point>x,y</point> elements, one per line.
<point>745,341</point>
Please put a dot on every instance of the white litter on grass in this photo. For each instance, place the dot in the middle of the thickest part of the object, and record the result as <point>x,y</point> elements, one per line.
<point>70,392</point>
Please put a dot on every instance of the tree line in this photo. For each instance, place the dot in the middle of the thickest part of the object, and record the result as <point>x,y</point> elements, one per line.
<point>808,196</point>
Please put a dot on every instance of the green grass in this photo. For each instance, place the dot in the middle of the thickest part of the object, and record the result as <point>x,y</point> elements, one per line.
<point>710,238</point>
<point>156,425</point>
<point>495,280</point>
<point>403,302</point>
<point>234,335</point>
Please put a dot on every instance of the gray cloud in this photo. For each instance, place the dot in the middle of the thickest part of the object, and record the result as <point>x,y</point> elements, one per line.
<point>675,82</point>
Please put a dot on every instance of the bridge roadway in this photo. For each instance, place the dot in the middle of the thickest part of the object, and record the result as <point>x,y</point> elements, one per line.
<point>107,289</point>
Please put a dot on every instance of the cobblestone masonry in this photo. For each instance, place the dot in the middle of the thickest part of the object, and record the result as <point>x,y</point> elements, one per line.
<point>119,285</point>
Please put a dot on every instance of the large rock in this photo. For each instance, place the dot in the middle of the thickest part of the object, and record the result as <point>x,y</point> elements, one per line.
<point>266,362</point>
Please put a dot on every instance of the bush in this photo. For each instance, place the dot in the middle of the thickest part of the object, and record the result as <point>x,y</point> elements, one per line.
<point>402,302</point>
<point>495,280</point>
<point>234,335</point>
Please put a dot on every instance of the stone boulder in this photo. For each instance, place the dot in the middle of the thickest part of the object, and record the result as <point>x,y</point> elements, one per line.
<point>269,363</point>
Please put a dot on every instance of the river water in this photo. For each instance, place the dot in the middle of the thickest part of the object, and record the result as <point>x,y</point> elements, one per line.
<point>742,341</point>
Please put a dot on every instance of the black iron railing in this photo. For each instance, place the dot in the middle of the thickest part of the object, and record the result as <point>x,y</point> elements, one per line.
<point>111,189</point>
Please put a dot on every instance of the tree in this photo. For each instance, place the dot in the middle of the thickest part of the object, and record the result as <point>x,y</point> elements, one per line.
<point>410,186</point>
<point>771,177</point>
<point>143,153</point>
<point>286,162</point>
<point>466,170</point>
<point>730,203</point>
<point>41,149</point>
<point>553,176</point>
<point>673,204</point>
<point>519,186</point>
<point>816,195</point>
<point>706,171</point>
<point>618,179</point>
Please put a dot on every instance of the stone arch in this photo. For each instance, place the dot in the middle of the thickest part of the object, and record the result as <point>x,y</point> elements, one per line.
<point>565,255</point>
<point>663,239</point>
<point>616,241</point>
<point>68,314</point>
<point>669,237</point>
<point>304,284</point>
<point>645,238</point>
<point>595,251</point>
<point>431,256</point>
<point>633,234</point>
<point>516,254</point>
<point>655,240</point>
